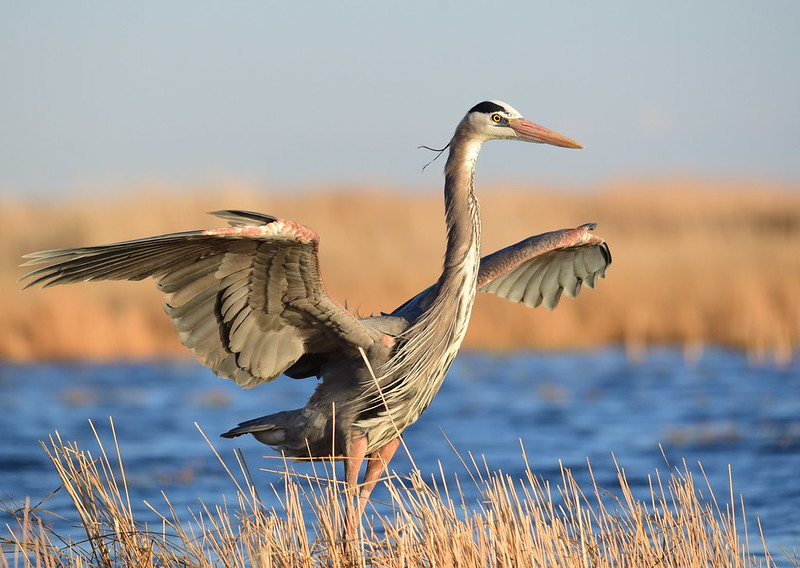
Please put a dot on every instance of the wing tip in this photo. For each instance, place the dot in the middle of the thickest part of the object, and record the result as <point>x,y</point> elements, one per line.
<point>606,252</point>
<point>242,218</point>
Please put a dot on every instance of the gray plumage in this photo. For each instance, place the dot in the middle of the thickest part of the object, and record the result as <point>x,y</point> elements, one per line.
<point>248,301</point>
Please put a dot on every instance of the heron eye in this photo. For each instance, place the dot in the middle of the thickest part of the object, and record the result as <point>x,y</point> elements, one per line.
<point>496,118</point>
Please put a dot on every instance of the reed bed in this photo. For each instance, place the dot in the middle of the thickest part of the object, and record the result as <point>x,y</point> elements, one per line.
<point>516,522</point>
<point>694,263</point>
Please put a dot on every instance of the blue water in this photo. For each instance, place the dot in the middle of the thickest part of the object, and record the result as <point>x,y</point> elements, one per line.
<point>722,410</point>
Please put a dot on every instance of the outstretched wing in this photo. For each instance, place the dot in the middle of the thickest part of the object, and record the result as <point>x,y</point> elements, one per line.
<point>248,299</point>
<point>539,269</point>
<point>535,271</point>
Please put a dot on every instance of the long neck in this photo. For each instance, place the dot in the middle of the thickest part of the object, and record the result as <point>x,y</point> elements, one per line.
<point>415,372</point>
<point>462,254</point>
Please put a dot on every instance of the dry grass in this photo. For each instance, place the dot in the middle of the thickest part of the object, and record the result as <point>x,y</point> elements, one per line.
<point>694,263</point>
<point>519,523</point>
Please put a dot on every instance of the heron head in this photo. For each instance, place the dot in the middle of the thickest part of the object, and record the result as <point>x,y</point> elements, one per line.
<point>496,120</point>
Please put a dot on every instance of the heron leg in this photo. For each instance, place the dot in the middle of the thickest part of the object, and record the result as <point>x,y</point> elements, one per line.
<point>352,467</point>
<point>378,461</point>
<point>376,465</point>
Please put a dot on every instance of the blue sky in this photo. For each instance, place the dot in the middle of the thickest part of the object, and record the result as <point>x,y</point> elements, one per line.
<point>109,95</point>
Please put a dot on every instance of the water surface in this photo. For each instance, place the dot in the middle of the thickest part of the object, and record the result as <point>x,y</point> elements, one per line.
<point>721,410</point>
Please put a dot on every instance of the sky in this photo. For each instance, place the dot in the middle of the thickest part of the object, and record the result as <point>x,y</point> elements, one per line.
<point>102,96</point>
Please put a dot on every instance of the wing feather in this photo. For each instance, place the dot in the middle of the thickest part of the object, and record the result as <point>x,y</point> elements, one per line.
<point>545,266</point>
<point>567,279</point>
<point>522,272</point>
<point>550,289</point>
<point>248,299</point>
<point>194,312</point>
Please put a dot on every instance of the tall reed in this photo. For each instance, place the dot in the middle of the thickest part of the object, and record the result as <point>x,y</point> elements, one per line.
<point>694,263</point>
<point>516,522</point>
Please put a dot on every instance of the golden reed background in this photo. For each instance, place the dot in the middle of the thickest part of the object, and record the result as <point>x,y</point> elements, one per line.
<point>694,263</point>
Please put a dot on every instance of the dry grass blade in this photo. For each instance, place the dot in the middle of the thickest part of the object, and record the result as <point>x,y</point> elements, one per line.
<point>516,522</point>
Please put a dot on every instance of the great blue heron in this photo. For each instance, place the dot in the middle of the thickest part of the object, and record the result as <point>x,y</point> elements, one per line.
<point>249,302</point>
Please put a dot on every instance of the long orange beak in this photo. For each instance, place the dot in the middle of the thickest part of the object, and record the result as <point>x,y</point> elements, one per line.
<point>530,132</point>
